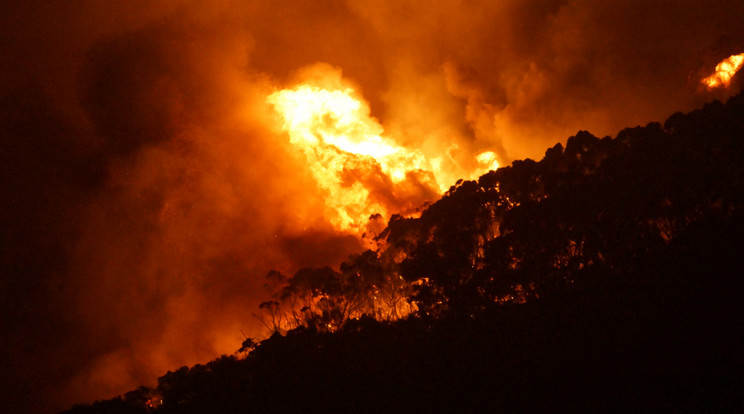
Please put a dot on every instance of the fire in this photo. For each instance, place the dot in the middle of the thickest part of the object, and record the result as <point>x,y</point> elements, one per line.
<point>351,158</point>
<point>343,145</point>
<point>332,117</point>
<point>488,159</point>
<point>725,70</point>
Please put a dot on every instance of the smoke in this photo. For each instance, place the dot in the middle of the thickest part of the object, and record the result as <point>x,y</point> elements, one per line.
<point>530,72</point>
<point>148,186</point>
<point>204,197</point>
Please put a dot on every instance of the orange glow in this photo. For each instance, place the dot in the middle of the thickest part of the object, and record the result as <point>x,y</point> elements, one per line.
<point>340,141</point>
<point>488,159</point>
<point>344,145</point>
<point>351,158</point>
<point>724,72</point>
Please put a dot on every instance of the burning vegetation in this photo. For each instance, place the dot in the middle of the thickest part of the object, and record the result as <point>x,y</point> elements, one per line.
<point>563,277</point>
<point>361,171</point>
<point>161,157</point>
<point>518,231</point>
<point>725,71</point>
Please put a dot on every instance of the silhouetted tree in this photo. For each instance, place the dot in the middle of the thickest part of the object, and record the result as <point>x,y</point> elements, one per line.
<point>605,277</point>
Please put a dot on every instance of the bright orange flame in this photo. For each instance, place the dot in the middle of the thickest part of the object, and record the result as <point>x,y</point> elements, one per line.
<point>724,72</point>
<point>344,144</point>
<point>341,142</point>
<point>488,159</point>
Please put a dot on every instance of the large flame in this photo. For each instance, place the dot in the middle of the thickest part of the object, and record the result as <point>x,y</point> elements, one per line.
<point>725,70</point>
<point>348,154</point>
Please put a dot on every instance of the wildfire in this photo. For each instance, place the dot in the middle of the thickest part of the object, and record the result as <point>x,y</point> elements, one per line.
<point>362,171</point>
<point>725,70</point>
<point>488,159</point>
<point>344,147</point>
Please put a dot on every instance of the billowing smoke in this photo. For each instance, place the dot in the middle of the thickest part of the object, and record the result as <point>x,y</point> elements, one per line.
<point>148,187</point>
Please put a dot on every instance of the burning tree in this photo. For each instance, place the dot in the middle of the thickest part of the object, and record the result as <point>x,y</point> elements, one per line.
<point>325,300</point>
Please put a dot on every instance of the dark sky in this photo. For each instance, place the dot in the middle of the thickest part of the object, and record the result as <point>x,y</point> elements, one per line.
<point>147,187</point>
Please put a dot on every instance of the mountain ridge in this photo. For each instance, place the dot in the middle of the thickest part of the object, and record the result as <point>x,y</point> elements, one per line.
<point>604,277</point>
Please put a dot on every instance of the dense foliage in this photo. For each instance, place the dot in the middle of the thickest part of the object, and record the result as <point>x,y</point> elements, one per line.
<point>605,277</point>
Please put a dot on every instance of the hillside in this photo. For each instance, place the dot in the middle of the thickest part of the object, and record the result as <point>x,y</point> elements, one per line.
<point>605,277</point>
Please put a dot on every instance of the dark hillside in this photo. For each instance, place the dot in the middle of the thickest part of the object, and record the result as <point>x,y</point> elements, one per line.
<point>606,277</point>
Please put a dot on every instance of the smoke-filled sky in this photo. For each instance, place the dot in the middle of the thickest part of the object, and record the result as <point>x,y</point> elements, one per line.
<point>148,186</point>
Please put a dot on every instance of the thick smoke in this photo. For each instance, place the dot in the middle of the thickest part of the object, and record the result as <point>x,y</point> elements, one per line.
<point>148,188</point>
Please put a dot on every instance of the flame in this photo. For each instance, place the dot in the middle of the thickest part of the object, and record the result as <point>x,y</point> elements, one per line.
<point>348,154</point>
<point>488,159</point>
<point>725,70</point>
<point>342,144</point>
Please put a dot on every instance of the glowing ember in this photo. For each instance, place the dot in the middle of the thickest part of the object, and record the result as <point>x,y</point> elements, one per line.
<point>724,72</point>
<point>350,158</point>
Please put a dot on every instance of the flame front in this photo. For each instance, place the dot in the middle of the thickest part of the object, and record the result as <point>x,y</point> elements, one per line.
<point>361,171</point>
<point>488,159</point>
<point>725,70</point>
<point>344,147</point>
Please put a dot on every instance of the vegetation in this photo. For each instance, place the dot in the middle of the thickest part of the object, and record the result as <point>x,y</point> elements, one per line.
<point>605,277</point>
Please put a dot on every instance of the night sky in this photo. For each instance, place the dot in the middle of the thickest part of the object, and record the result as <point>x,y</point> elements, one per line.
<point>148,187</point>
